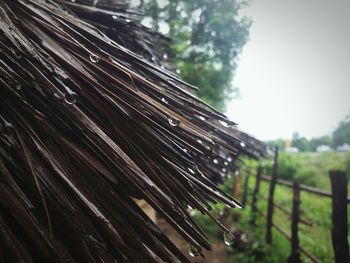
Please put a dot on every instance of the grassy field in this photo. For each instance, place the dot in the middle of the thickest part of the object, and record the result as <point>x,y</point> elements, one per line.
<point>316,239</point>
<point>312,168</point>
<point>315,166</point>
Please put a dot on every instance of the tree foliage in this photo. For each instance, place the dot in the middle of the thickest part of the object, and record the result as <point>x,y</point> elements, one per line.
<point>341,134</point>
<point>206,37</point>
<point>281,143</point>
<point>300,142</point>
<point>287,167</point>
<point>323,140</point>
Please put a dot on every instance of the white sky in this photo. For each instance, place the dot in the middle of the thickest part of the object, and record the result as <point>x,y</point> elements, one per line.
<point>294,73</point>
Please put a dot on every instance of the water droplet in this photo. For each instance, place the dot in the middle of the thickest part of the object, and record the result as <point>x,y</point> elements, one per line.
<point>70,97</point>
<point>242,144</point>
<point>224,170</point>
<point>229,159</point>
<point>153,58</point>
<point>225,124</point>
<point>94,58</point>
<point>189,207</point>
<point>226,163</point>
<point>115,17</point>
<point>185,150</point>
<point>18,87</point>
<point>229,239</point>
<point>73,1</point>
<point>57,96</point>
<point>165,101</point>
<point>16,53</point>
<point>178,71</point>
<point>215,161</point>
<point>244,238</point>
<point>193,212</point>
<point>127,20</point>
<point>193,251</point>
<point>237,172</point>
<point>202,118</point>
<point>191,171</point>
<point>165,56</point>
<point>2,12</point>
<point>174,122</point>
<point>7,128</point>
<point>199,141</point>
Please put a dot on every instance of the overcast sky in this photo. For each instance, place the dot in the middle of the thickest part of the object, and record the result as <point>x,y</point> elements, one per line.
<point>294,73</point>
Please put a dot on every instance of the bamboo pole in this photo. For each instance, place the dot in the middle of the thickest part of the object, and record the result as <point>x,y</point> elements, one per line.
<point>245,189</point>
<point>236,185</point>
<point>270,198</point>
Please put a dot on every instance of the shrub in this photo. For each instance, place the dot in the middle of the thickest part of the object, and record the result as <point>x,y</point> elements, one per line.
<point>287,167</point>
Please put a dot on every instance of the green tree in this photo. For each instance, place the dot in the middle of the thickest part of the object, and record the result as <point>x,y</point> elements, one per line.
<point>287,166</point>
<point>281,143</point>
<point>206,38</point>
<point>341,134</point>
<point>300,142</point>
<point>323,140</point>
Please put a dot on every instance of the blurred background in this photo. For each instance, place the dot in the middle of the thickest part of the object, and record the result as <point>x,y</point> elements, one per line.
<point>280,69</point>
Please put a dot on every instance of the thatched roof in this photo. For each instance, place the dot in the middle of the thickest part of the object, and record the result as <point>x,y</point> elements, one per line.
<point>88,124</point>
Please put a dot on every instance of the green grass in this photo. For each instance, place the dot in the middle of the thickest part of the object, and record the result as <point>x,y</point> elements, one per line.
<point>315,239</point>
<point>317,165</point>
<point>312,168</point>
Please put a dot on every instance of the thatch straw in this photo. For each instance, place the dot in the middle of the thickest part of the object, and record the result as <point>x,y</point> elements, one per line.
<point>87,125</point>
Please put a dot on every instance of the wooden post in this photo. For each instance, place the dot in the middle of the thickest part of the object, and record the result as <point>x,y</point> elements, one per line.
<point>236,185</point>
<point>255,194</point>
<point>245,189</point>
<point>339,216</point>
<point>270,199</point>
<point>295,251</point>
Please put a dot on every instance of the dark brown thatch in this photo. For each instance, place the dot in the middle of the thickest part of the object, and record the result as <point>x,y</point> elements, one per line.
<point>87,126</point>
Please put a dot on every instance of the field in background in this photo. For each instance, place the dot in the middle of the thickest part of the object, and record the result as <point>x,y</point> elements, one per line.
<point>307,168</point>
<point>314,166</point>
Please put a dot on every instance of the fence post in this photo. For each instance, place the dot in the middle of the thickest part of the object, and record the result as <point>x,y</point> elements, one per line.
<point>339,216</point>
<point>255,194</point>
<point>270,199</point>
<point>295,254</point>
<point>245,189</point>
<point>236,184</point>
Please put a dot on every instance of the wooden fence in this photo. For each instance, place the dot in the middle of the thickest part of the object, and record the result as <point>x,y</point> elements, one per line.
<point>339,211</point>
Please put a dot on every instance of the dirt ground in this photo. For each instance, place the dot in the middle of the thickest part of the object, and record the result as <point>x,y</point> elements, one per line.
<point>216,255</point>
